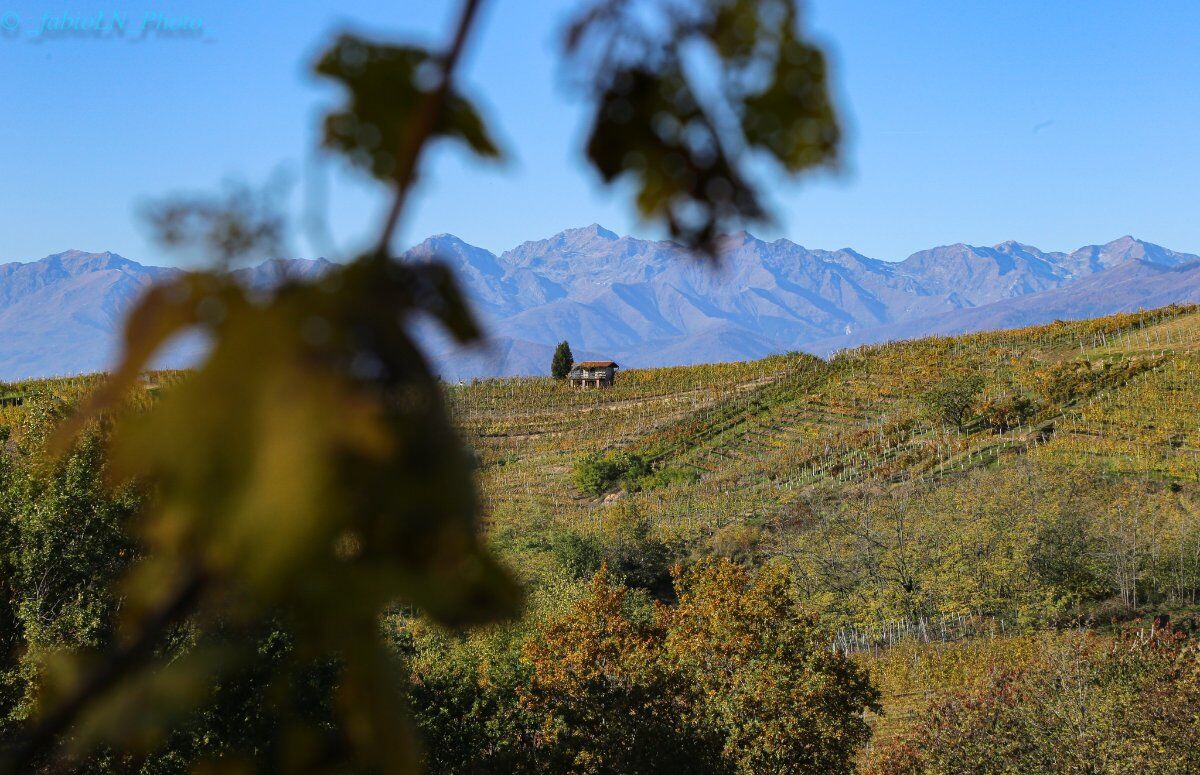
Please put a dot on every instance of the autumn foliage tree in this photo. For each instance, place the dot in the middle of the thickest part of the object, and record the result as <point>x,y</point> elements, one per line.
<point>769,685</point>
<point>1005,409</point>
<point>605,696</point>
<point>736,678</point>
<point>950,401</point>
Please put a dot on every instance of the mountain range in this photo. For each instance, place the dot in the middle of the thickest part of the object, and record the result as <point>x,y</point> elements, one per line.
<point>644,302</point>
<point>62,314</point>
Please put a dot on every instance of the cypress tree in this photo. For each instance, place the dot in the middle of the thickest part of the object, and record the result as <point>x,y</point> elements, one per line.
<point>560,366</point>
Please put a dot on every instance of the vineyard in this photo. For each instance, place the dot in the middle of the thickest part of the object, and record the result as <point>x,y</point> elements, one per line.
<point>957,512</point>
<point>751,442</point>
<point>939,492</point>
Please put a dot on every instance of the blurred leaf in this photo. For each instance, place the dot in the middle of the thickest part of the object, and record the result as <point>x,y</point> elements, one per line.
<point>270,482</point>
<point>163,312</point>
<point>242,223</point>
<point>388,87</point>
<point>371,700</point>
<point>686,149</point>
<point>807,134</point>
<point>308,467</point>
<point>142,711</point>
<point>685,178</point>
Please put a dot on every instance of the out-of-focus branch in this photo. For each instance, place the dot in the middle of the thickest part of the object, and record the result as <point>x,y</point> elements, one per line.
<point>408,156</point>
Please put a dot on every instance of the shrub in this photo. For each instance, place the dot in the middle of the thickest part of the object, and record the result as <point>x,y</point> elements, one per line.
<point>581,556</point>
<point>736,542</point>
<point>626,547</point>
<point>664,477</point>
<point>1086,704</point>
<point>1071,380</point>
<point>1003,411</point>
<point>599,472</point>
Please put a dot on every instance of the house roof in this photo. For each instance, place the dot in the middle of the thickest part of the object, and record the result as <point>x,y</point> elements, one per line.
<point>595,364</point>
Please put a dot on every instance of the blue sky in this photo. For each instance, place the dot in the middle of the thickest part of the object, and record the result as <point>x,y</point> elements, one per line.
<point>1053,123</point>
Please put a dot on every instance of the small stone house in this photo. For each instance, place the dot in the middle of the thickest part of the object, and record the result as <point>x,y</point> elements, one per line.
<point>593,374</point>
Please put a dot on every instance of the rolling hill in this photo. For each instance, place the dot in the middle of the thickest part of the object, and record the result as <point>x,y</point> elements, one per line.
<point>1054,518</point>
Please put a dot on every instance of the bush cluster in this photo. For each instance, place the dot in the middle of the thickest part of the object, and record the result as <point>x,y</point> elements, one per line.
<point>1068,381</point>
<point>1083,704</point>
<point>599,472</point>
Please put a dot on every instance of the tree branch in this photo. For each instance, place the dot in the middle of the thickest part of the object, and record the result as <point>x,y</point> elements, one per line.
<point>427,119</point>
<point>132,655</point>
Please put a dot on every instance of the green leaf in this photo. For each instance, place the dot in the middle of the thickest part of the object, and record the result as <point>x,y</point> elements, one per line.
<point>388,88</point>
<point>688,151</point>
<point>681,172</point>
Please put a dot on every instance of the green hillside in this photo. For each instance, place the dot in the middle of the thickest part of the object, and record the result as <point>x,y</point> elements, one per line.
<point>781,449</point>
<point>981,525</point>
<point>1062,490</point>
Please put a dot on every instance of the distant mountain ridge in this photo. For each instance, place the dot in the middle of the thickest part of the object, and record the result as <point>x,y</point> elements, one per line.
<point>648,303</point>
<point>62,314</point>
<point>644,302</point>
